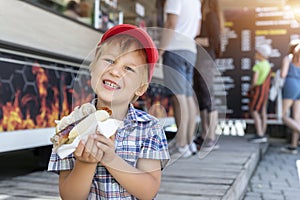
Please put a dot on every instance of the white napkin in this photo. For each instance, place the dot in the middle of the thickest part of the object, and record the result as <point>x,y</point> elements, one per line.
<point>107,128</point>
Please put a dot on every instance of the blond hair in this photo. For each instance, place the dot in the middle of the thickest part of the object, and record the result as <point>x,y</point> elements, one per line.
<point>292,45</point>
<point>296,54</point>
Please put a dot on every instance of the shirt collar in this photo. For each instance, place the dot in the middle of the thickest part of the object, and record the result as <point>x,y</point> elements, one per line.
<point>135,116</point>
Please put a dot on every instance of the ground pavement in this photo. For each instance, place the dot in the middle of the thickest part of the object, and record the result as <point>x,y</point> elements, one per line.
<point>275,177</point>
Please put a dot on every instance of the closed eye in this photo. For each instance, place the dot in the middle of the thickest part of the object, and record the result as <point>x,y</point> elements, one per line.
<point>129,68</point>
<point>110,61</point>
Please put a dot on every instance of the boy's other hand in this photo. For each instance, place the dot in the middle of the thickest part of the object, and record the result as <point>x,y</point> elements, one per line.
<point>88,151</point>
<point>107,146</point>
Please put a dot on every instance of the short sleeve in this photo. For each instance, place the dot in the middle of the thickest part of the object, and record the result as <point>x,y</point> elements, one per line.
<point>156,146</point>
<point>255,68</point>
<point>57,164</point>
<point>173,7</point>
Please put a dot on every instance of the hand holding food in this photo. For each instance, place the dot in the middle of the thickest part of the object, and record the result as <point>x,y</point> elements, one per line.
<point>79,127</point>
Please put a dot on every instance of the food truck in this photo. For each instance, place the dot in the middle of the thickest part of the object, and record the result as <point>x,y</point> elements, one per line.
<point>41,55</point>
<point>44,60</point>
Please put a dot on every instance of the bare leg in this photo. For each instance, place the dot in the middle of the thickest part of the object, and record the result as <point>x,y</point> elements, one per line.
<point>192,114</point>
<point>204,123</point>
<point>290,122</point>
<point>295,138</point>
<point>296,116</point>
<point>264,118</point>
<point>181,118</point>
<point>257,122</point>
<point>213,120</point>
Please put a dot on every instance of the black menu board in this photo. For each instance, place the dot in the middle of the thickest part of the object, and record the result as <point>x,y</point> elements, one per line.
<point>245,28</point>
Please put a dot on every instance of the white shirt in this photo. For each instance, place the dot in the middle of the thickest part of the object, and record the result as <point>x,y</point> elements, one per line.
<point>189,14</point>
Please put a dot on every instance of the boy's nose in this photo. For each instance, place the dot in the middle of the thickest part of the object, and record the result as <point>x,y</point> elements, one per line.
<point>117,70</point>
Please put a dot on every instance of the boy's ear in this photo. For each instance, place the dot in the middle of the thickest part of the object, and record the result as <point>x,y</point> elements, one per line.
<point>141,90</point>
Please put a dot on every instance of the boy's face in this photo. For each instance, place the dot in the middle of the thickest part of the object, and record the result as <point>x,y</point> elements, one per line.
<point>118,75</point>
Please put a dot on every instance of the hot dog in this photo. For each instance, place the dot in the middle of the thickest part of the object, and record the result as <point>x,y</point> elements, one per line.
<point>77,123</point>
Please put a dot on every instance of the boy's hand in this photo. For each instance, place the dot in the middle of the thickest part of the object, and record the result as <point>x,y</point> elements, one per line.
<point>88,151</point>
<point>107,146</point>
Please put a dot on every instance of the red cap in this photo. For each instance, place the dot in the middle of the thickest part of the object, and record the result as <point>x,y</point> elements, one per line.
<point>142,36</point>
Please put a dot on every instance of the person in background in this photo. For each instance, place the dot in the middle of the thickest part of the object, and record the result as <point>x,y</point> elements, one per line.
<point>127,165</point>
<point>204,72</point>
<point>84,9</point>
<point>85,12</point>
<point>178,50</point>
<point>72,10</point>
<point>291,94</point>
<point>259,92</point>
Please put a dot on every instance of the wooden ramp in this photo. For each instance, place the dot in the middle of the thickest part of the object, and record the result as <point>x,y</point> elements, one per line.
<point>221,174</point>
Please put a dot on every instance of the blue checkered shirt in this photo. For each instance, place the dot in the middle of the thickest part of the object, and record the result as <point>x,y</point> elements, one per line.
<point>140,137</point>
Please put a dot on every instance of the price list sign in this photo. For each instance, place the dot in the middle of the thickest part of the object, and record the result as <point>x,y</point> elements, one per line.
<point>245,29</point>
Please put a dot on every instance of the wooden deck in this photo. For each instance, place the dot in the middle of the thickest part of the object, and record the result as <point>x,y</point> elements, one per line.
<point>221,174</point>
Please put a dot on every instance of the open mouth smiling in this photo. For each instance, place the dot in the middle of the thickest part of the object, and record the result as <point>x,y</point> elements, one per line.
<point>110,84</point>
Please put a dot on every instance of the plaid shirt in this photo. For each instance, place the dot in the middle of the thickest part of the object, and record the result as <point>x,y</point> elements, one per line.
<point>140,137</point>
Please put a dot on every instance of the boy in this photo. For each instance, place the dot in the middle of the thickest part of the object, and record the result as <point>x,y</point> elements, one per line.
<point>260,90</point>
<point>128,167</point>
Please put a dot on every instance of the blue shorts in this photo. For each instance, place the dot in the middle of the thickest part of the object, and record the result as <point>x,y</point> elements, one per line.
<point>291,88</point>
<point>178,68</point>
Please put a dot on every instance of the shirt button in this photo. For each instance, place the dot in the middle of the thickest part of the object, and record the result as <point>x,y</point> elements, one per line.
<point>131,153</point>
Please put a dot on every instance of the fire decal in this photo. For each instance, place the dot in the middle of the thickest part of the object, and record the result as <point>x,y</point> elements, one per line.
<point>36,93</point>
<point>34,96</point>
